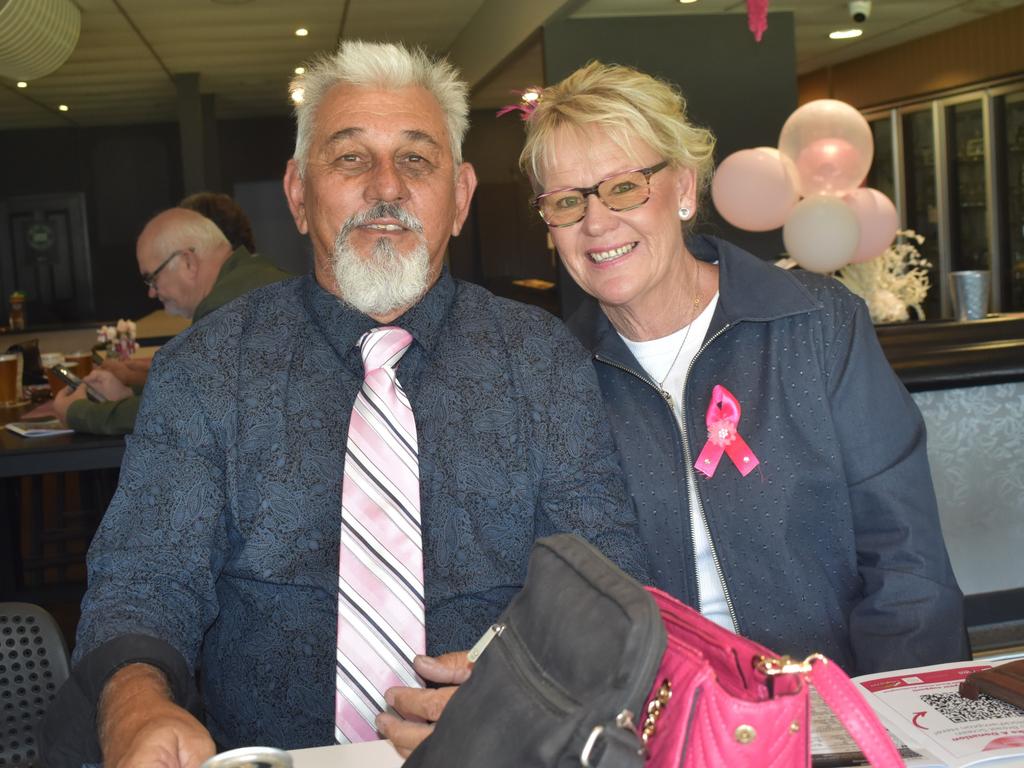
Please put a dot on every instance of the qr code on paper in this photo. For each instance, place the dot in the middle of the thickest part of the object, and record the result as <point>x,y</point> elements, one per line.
<point>962,710</point>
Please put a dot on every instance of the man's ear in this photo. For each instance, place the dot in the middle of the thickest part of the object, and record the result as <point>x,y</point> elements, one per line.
<point>189,263</point>
<point>295,192</point>
<point>465,185</point>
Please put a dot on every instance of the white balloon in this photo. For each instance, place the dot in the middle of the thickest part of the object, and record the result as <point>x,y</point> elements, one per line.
<point>821,233</point>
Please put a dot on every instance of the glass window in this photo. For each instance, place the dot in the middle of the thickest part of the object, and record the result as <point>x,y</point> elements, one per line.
<point>882,175</point>
<point>968,220</point>
<point>1013,213</point>
<point>922,204</point>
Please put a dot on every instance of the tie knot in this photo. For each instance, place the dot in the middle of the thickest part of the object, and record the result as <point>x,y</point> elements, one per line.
<point>383,347</point>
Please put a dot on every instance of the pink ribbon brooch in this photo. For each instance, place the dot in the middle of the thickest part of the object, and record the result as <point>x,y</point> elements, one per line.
<point>723,418</point>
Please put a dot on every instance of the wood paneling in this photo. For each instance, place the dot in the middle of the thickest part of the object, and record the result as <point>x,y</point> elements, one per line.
<point>986,49</point>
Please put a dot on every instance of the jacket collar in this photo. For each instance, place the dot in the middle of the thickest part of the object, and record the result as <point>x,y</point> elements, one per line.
<point>750,290</point>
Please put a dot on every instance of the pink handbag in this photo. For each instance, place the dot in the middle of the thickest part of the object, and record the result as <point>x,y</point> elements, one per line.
<point>722,700</point>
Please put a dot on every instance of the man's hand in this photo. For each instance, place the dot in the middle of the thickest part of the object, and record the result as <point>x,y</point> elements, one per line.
<point>63,400</point>
<point>421,707</point>
<point>108,385</point>
<point>139,724</point>
<point>131,372</point>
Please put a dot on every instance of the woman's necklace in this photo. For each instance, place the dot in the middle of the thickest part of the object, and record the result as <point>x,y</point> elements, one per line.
<point>697,299</point>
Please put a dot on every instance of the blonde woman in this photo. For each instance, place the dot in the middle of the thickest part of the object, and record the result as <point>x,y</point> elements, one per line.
<point>777,463</point>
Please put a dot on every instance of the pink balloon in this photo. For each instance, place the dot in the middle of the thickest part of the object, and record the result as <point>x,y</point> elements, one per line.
<point>830,143</point>
<point>878,221</point>
<point>828,167</point>
<point>754,189</point>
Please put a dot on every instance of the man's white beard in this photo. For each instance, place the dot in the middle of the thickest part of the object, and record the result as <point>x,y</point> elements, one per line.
<point>387,280</point>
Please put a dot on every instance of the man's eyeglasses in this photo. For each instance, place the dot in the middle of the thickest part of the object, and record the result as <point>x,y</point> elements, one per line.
<point>620,192</point>
<point>149,278</point>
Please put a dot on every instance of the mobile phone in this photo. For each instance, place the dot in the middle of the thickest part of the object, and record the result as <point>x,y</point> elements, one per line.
<point>73,382</point>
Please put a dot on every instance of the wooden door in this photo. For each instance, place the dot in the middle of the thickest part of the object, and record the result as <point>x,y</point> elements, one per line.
<point>44,252</point>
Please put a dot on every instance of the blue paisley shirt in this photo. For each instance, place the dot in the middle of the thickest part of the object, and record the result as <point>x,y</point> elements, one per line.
<point>221,543</point>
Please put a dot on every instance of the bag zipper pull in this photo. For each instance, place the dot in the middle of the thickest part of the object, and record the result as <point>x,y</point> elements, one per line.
<point>492,632</point>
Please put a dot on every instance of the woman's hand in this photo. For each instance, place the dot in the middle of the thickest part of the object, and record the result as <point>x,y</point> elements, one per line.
<point>421,707</point>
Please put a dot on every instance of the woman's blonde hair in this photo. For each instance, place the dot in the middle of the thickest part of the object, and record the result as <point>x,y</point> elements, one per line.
<point>629,105</point>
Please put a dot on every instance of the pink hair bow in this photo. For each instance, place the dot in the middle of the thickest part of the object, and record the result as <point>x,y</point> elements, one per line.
<point>723,418</point>
<point>526,104</point>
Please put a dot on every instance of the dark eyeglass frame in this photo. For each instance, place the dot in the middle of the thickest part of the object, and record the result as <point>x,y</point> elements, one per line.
<point>592,190</point>
<point>149,278</point>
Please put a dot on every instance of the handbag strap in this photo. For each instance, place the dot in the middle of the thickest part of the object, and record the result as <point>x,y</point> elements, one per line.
<point>853,712</point>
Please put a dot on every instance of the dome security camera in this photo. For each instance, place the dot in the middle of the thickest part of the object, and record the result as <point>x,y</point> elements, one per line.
<point>860,10</point>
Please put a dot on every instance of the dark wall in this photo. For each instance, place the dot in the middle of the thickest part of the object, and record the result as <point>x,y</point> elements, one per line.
<point>503,239</point>
<point>740,89</point>
<point>127,174</point>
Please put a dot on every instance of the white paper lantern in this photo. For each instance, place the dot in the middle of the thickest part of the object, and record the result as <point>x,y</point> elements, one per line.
<point>36,36</point>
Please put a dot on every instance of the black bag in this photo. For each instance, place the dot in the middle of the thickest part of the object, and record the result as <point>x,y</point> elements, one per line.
<point>568,667</point>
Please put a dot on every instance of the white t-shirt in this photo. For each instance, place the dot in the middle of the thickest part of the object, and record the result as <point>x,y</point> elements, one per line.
<point>657,356</point>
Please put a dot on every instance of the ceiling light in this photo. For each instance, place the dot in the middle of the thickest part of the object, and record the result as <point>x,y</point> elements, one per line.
<point>301,32</point>
<point>22,84</point>
<point>300,70</point>
<point>845,34</point>
<point>297,95</point>
<point>63,107</point>
<point>687,2</point>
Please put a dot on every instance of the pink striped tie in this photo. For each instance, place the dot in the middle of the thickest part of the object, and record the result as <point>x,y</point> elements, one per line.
<point>380,589</point>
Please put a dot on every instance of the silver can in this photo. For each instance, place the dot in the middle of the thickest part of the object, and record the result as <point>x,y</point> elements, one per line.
<point>250,757</point>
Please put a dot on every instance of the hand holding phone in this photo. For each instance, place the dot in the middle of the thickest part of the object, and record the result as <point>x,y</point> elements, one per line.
<point>74,382</point>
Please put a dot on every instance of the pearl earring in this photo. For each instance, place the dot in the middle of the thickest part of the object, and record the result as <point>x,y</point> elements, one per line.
<point>684,213</point>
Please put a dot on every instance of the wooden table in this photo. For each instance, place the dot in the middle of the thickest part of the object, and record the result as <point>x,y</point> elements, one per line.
<point>24,461</point>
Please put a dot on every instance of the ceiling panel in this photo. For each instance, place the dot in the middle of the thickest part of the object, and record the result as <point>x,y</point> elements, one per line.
<point>245,51</point>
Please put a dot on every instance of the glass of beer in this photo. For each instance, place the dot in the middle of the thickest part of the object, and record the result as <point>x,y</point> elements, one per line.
<point>10,380</point>
<point>84,360</point>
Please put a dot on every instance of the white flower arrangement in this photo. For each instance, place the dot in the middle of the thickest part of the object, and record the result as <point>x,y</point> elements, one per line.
<point>893,283</point>
<point>118,339</point>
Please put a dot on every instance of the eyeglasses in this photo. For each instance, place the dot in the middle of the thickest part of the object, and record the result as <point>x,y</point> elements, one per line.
<point>620,192</point>
<point>149,278</point>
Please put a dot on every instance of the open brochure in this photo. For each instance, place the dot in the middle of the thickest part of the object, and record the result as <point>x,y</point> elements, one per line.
<point>40,428</point>
<point>928,720</point>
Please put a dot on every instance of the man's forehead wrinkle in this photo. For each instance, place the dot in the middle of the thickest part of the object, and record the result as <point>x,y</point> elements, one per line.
<point>409,134</point>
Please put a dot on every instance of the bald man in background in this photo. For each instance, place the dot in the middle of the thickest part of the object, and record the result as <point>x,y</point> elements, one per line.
<point>189,264</point>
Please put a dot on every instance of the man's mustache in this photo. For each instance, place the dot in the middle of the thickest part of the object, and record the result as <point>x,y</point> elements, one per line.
<point>380,210</point>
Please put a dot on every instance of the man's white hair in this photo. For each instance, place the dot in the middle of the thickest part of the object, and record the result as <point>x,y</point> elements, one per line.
<point>384,66</point>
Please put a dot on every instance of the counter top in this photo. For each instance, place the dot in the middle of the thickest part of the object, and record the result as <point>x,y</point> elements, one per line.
<point>943,354</point>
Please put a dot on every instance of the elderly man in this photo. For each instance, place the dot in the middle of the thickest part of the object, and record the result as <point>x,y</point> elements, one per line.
<point>420,426</point>
<point>187,262</point>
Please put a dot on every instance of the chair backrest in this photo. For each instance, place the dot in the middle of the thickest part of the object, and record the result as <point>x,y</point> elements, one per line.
<point>33,665</point>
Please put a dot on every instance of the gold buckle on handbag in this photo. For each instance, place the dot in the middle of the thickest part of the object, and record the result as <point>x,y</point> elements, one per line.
<point>786,665</point>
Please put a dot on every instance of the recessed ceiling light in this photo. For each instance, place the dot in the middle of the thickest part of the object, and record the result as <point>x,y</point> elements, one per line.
<point>300,70</point>
<point>63,107</point>
<point>845,34</point>
<point>301,32</point>
<point>297,95</point>
<point>687,2</point>
<point>22,84</point>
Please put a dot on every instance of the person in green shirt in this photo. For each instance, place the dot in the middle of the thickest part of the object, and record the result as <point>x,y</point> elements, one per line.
<point>189,264</point>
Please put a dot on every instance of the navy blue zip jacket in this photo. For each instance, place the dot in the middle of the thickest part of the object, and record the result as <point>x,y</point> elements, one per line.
<point>833,543</point>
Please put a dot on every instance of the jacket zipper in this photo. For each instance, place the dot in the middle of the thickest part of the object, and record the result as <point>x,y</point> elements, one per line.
<point>667,397</point>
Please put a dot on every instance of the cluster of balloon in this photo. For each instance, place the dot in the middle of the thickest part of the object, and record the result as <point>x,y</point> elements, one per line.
<point>810,186</point>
